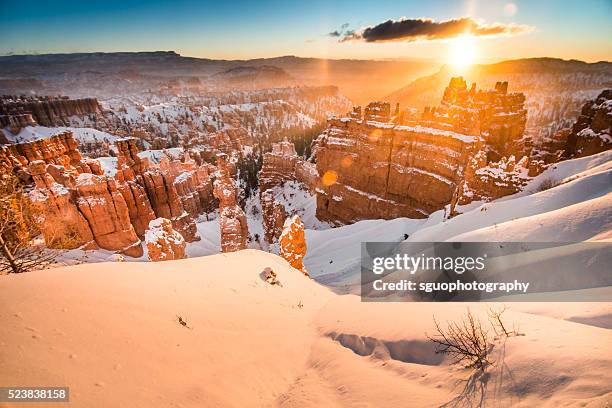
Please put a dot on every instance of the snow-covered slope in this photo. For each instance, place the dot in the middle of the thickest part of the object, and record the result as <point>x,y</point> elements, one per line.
<point>334,254</point>
<point>576,207</point>
<point>111,332</point>
<point>584,183</point>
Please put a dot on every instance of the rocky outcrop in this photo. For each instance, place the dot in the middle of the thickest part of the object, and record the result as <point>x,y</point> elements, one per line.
<point>58,217</point>
<point>232,219</point>
<point>293,243</point>
<point>80,206</point>
<point>44,110</point>
<point>228,140</point>
<point>87,211</point>
<point>273,215</point>
<point>377,111</point>
<point>496,115</point>
<point>139,206</point>
<point>591,133</point>
<point>176,190</point>
<point>106,212</point>
<point>278,165</point>
<point>373,170</point>
<point>406,167</point>
<point>193,183</point>
<point>15,122</point>
<point>163,242</point>
<point>282,164</point>
<point>60,149</point>
<point>76,205</point>
<point>484,180</point>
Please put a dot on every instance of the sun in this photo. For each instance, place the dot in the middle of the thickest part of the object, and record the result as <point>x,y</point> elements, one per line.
<point>463,52</point>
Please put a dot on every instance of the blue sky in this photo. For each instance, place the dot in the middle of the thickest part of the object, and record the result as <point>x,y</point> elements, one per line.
<point>250,29</point>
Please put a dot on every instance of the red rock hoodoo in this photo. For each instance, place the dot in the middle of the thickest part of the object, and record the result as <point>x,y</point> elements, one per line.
<point>232,219</point>
<point>273,214</point>
<point>107,214</point>
<point>176,190</point>
<point>163,242</point>
<point>293,243</point>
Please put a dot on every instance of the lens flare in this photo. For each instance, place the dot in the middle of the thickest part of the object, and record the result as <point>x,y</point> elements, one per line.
<point>329,178</point>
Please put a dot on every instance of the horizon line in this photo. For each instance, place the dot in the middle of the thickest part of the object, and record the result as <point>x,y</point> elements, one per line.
<point>398,59</point>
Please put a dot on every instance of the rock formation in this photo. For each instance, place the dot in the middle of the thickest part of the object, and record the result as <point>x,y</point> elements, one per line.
<point>232,220</point>
<point>139,206</point>
<point>293,243</point>
<point>20,111</point>
<point>483,180</point>
<point>269,276</point>
<point>377,111</point>
<point>79,205</point>
<point>76,204</point>
<point>61,150</point>
<point>107,214</point>
<point>228,140</point>
<point>59,219</point>
<point>283,164</point>
<point>381,166</point>
<point>273,215</point>
<point>591,133</point>
<point>163,242</point>
<point>496,115</point>
<point>176,190</point>
<point>373,170</point>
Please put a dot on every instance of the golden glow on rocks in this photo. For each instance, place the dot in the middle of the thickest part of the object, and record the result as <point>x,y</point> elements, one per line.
<point>329,178</point>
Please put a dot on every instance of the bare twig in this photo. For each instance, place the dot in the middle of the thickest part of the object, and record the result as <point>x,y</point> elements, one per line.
<point>464,342</point>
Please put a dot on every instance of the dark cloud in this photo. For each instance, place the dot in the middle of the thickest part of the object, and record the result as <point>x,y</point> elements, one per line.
<point>341,32</point>
<point>426,29</point>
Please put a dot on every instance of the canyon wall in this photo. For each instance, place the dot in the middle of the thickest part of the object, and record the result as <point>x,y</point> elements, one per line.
<point>470,147</point>
<point>383,165</point>
<point>75,204</point>
<point>375,170</point>
<point>79,206</point>
<point>23,111</point>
